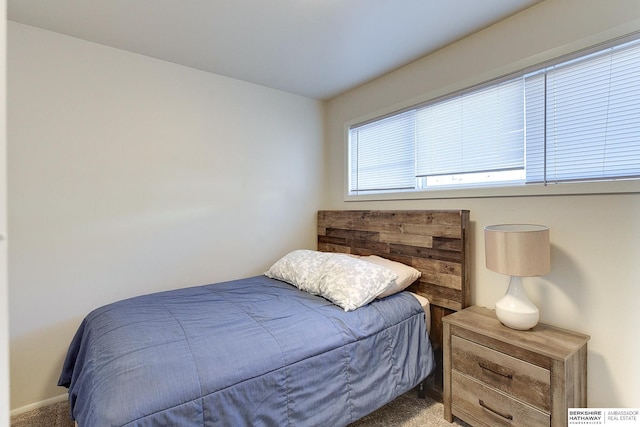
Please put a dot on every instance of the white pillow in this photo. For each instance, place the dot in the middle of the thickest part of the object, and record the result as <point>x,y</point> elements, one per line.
<point>406,274</point>
<point>346,281</point>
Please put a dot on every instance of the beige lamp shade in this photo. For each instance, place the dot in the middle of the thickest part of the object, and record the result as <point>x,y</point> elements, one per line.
<point>517,249</point>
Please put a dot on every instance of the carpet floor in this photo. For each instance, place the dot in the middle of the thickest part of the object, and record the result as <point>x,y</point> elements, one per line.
<point>407,410</point>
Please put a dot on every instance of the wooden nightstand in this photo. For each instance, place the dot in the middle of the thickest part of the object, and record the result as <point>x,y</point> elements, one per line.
<point>494,375</point>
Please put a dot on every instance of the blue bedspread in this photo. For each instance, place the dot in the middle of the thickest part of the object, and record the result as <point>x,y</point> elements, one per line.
<point>254,352</point>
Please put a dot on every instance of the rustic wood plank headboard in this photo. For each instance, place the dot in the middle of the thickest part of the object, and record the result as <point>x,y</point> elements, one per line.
<point>434,242</point>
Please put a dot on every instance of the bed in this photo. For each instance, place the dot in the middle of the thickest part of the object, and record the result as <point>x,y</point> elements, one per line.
<point>259,351</point>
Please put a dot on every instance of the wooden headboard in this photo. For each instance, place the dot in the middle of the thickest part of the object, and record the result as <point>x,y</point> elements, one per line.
<point>434,242</point>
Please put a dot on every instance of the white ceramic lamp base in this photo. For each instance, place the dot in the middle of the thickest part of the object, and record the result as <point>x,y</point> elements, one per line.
<point>514,309</point>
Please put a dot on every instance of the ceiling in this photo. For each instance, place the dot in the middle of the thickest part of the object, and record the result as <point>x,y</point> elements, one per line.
<point>314,48</point>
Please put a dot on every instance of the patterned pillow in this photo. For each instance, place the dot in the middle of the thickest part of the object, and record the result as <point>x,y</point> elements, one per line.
<point>346,281</point>
<point>299,268</point>
<point>351,283</point>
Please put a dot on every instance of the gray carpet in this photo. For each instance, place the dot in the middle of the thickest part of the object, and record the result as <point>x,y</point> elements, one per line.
<point>406,411</point>
<point>56,415</point>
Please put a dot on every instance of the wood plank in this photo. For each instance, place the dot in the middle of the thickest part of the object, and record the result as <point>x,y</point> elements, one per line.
<point>328,247</point>
<point>447,244</point>
<point>333,240</point>
<point>352,234</point>
<point>406,239</point>
<point>436,333</point>
<point>426,252</point>
<point>438,295</point>
<point>448,281</point>
<point>444,273</point>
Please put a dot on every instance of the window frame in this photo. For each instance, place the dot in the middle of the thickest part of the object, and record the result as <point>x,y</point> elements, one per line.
<point>502,189</point>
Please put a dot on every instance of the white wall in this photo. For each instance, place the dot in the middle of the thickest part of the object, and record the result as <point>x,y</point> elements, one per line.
<point>129,175</point>
<point>594,286</point>
<point>4,292</point>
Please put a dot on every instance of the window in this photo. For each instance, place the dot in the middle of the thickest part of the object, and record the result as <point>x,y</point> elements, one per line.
<point>382,154</point>
<point>573,120</point>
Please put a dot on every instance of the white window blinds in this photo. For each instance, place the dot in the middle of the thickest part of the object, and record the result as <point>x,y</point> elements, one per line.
<point>473,132</point>
<point>592,110</point>
<point>381,154</point>
<point>480,131</point>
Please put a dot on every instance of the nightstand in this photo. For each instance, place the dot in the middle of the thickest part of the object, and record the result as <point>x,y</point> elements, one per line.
<point>494,375</point>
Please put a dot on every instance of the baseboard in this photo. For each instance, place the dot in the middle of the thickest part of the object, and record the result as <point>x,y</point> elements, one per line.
<point>38,405</point>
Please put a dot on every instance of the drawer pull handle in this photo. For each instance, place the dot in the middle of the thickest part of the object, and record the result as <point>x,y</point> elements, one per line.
<point>500,414</point>
<point>487,368</point>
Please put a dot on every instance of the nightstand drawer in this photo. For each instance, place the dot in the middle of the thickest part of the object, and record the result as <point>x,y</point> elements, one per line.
<point>492,408</point>
<point>515,377</point>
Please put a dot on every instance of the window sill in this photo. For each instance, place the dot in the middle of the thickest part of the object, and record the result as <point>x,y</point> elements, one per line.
<point>534,190</point>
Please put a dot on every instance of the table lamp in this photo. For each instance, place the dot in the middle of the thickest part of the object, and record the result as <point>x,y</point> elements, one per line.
<point>519,250</point>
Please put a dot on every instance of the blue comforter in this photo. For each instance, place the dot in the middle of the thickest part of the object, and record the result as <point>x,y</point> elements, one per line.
<point>255,351</point>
